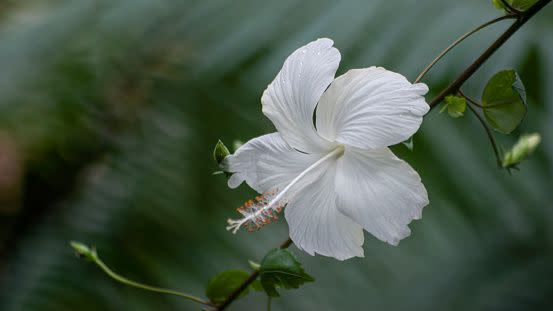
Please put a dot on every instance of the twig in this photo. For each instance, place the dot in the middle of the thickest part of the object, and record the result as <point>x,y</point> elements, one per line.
<point>247,282</point>
<point>459,40</point>
<point>470,100</point>
<point>90,253</point>
<point>488,131</point>
<point>521,20</point>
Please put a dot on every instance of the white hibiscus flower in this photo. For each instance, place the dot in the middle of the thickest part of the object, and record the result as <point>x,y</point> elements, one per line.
<point>329,164</point>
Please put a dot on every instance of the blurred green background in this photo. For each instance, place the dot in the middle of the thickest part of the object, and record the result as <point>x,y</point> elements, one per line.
<point>109,111</point>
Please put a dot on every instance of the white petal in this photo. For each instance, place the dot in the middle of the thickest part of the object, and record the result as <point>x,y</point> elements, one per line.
<point>371,108</point>
<point>290,100</point>
<point>380,192</point>
<point>266,163</point>
<point>316,226</point>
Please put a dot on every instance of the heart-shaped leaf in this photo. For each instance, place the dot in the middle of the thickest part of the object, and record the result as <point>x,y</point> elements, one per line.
<point>504,101</point>
<point>281,269</point>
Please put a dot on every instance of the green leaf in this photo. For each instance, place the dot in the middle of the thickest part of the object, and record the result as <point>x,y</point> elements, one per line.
<point>524,147</point>
<point>224,283</point>
<point>504,101</point>
<point>455,106</point>
<point>281,269</point>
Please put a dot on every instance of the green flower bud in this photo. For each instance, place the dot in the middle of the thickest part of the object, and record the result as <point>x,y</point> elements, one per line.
<point>220,152</point>
<point>83,251</point>
<point>525,146</point>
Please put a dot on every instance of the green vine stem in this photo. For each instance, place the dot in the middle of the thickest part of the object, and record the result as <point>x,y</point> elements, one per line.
<point>91,254</point>
<point>472,101</point>
<point>459,40</point>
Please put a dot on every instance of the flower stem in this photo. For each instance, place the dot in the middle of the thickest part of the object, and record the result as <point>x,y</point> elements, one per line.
<point>486,127</point>
<point>459,40</point>
<point>247,282</point>
<point>470,100</point>
<point>520,21</point>
<point>91,254</point>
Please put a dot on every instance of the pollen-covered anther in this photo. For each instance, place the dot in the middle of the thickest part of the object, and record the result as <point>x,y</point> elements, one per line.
<point>260,211</point>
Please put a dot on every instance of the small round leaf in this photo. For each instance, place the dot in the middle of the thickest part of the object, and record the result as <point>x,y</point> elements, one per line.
<point>455,106</point>
<point>504,101</point>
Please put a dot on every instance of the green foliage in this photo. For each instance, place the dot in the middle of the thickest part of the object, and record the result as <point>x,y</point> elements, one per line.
<point>455,106</point>
<point>525,146</point>
<point>504,101</point>
<point>281,269</point>
<point>223,284</point>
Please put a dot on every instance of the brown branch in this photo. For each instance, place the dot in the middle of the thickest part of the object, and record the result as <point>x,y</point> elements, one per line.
<point>521,20</point>
<point>246,283</point>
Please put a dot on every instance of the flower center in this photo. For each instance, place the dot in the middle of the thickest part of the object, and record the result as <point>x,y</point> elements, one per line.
<point>264,209</point>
